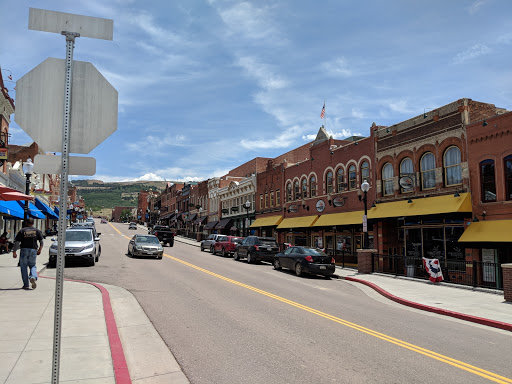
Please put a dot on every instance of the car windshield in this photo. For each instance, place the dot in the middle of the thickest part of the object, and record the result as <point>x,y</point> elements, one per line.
<point>267,242</point>
<point>147,239</point>
<point>314,252</point>
<point>222,238</point>
<point>78,236</point>
<point>237,240</point>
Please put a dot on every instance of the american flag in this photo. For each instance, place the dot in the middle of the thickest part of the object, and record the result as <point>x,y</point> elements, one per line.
<point>322,114</point>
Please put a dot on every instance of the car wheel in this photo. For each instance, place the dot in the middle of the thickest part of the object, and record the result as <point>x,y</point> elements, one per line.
<point>223,253</point>
<point>277,264</point>
<point>93,262</point>
<point>171,244</point>
<point>99,252</point>
<point>52,264</point>
<point>212,249</point>
<point>236,256</point>
<point>250,259</point>
<point>298,269</point>
<point>202,248</point>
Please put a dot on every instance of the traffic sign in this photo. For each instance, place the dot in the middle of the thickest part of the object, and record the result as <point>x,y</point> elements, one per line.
<point>40,106</point>
<point>52,165</point>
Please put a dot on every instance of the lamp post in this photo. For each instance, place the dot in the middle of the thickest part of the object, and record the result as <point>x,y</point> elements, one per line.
<point>247,206</point>
<point>176,219</point>
<point>365,187</point>
<point>28,166</point>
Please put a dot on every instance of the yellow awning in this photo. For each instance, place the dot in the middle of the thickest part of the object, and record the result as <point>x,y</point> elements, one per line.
<point>342,218</point>
<point>491,231</point>
<point>298,222</point>
<point>266,221</point>
<point>422,206</point>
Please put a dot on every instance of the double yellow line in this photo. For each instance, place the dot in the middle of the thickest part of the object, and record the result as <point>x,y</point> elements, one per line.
<point>434,355</point>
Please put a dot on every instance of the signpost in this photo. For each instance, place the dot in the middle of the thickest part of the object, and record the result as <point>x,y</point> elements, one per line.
<point>53,95</point>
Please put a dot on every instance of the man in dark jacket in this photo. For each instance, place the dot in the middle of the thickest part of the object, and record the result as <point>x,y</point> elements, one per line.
<point>26,240</point>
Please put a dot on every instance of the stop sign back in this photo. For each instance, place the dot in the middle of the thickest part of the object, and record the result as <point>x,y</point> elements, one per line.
<point>40,106</point>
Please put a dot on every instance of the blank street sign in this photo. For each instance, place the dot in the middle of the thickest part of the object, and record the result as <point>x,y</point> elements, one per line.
<point>86,26</point>
<point>52,165</point>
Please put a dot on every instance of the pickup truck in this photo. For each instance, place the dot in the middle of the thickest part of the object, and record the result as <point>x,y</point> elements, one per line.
<point>164,233</point>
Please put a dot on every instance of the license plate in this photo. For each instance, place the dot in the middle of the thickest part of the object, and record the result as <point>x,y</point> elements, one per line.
<point>322,267</point>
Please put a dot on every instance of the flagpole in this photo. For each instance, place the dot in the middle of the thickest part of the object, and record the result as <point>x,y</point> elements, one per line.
<point>325,118</point>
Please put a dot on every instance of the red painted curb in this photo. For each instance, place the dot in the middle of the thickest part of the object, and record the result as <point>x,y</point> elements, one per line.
<point>121,373</point>
<point>423,307</point>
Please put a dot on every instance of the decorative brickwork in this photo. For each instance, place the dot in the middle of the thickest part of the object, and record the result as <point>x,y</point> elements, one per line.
<point>507,281</point>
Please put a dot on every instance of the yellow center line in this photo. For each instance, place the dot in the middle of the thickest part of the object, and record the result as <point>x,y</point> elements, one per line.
<point>434,355</point>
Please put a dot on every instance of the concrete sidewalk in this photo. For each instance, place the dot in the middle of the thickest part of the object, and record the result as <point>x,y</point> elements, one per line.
<point>462,302</point>
<point>89,351</point>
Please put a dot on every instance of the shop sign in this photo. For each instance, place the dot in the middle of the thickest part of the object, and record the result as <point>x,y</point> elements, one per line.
<point>293,208</point>
<point>320,205</point>
<point>338,201</point>
<point>406,182</point>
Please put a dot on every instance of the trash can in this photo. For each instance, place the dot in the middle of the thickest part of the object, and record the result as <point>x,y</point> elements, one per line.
<point>410,270</point>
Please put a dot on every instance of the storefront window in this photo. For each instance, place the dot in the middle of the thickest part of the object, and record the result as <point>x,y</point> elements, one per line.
<point>433,243</point>
<point>318,242</point>
<point>344,243</point>
<point>454,250</point>
<point>413,242</point>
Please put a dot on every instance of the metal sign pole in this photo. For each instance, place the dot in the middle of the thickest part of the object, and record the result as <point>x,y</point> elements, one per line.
<point>70,40</point>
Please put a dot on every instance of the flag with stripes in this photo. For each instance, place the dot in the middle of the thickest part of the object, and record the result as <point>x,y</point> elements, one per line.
<point>322,114</point>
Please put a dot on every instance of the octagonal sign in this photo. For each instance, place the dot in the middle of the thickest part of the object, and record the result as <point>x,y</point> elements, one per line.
<point>40,106</point>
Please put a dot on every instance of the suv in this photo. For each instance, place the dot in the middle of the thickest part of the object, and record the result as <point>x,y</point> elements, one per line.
<point>210,241</point>
<point>81,243</point>
<point>226,245</point>
<point>256,248</point>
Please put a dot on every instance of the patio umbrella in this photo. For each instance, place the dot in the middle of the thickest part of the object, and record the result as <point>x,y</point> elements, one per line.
<point>10,196</point>
<point>4,189</point>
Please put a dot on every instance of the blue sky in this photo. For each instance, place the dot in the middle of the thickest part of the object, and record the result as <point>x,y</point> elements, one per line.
<point>205,86</point>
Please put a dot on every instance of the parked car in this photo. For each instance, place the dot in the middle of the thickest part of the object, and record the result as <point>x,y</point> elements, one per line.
<point>132,226</point>
<point>226,245</point>
<point>305,260</point>
<point>145,245</point>
<point>81,242</point>
<point>164,234</point>
<point>104,221</point>
<point>210,241</point>
<point>256,248</point>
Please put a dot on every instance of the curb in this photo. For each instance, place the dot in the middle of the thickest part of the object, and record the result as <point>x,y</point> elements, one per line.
<point>423,307</point>
<point>121,373</point>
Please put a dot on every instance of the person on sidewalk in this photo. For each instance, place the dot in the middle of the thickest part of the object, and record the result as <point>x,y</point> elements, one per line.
<point>26,240</point>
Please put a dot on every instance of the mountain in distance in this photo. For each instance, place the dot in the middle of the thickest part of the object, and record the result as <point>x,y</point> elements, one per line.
<point>100,196</point>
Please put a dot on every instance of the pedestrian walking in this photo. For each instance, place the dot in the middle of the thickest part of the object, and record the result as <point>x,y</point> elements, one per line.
<point>26,240</point>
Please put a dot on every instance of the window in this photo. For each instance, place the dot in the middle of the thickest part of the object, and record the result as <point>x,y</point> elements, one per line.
<point>406,169</point>
<point>304,188</point>
<point>289,192</point>
<point>365,171</point>
<point>266,199</point>
<point>452,168</point>
<point>339,180</point>
<point>296,194</point>
<point>508,177</point>
<point>328,182</point>
<point>312,186</point>
<point>387,179</point>
<point>428,171</point>
<point>352,175</point>
<point>272,201</point>
<point>278,197</point>
<point>488,181</point>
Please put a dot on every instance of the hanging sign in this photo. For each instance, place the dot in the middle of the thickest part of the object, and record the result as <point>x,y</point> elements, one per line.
<point>320,205</point>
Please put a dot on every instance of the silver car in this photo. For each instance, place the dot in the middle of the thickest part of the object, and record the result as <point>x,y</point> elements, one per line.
<point>145,245</point>
<point>81,242</point>
<point>209,242</point>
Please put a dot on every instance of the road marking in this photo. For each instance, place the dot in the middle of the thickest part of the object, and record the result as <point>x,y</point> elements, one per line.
<point>434,355</point>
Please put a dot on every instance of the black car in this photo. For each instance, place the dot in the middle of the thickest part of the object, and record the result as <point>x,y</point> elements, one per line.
<point>256,248</point>
<point>305,260</point>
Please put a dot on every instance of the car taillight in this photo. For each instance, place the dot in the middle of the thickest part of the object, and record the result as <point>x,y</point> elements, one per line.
<point>257,247</point>
<point>309,258</point>
<point>333,261</point>
<point>156,233</point>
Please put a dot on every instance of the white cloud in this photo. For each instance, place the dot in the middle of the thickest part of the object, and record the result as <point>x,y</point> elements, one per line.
<point>505,39</point>
<point>337,67</point>
<point>262,73</point>
<point>357,113</point>
<point>400,106</point>
<point>283,140</point>
<point>471,53</point>
<point>336,135</point>
<point>157,142</point>
<point>475,7</point>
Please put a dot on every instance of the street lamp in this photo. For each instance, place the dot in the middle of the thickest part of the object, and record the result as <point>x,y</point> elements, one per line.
<point>28,167</point>
<point>247,206</point>
<point>365,187</point>
<point>176,219</point>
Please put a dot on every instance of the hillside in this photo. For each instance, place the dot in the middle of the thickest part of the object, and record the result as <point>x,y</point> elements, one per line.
<point>98,195</point>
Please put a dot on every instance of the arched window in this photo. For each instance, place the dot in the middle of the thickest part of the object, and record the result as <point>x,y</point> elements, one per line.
<point>488,178</point>
<point>352,176</point>
<point>296,194</point>
<point>452,168</point>
<point>340,182</point>
<point>328,182</point>
<point>365,171</point>
<point>406,170</point>
<point>508,177</point>
<point>289,192</point>
<point>266,199</point>
<point>312,186</point>
<point>428,171</point>
<point>387,179</point>
<point>304,188</point>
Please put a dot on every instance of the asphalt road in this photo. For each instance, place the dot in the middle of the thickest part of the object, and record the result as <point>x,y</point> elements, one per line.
<point>230,322</point>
